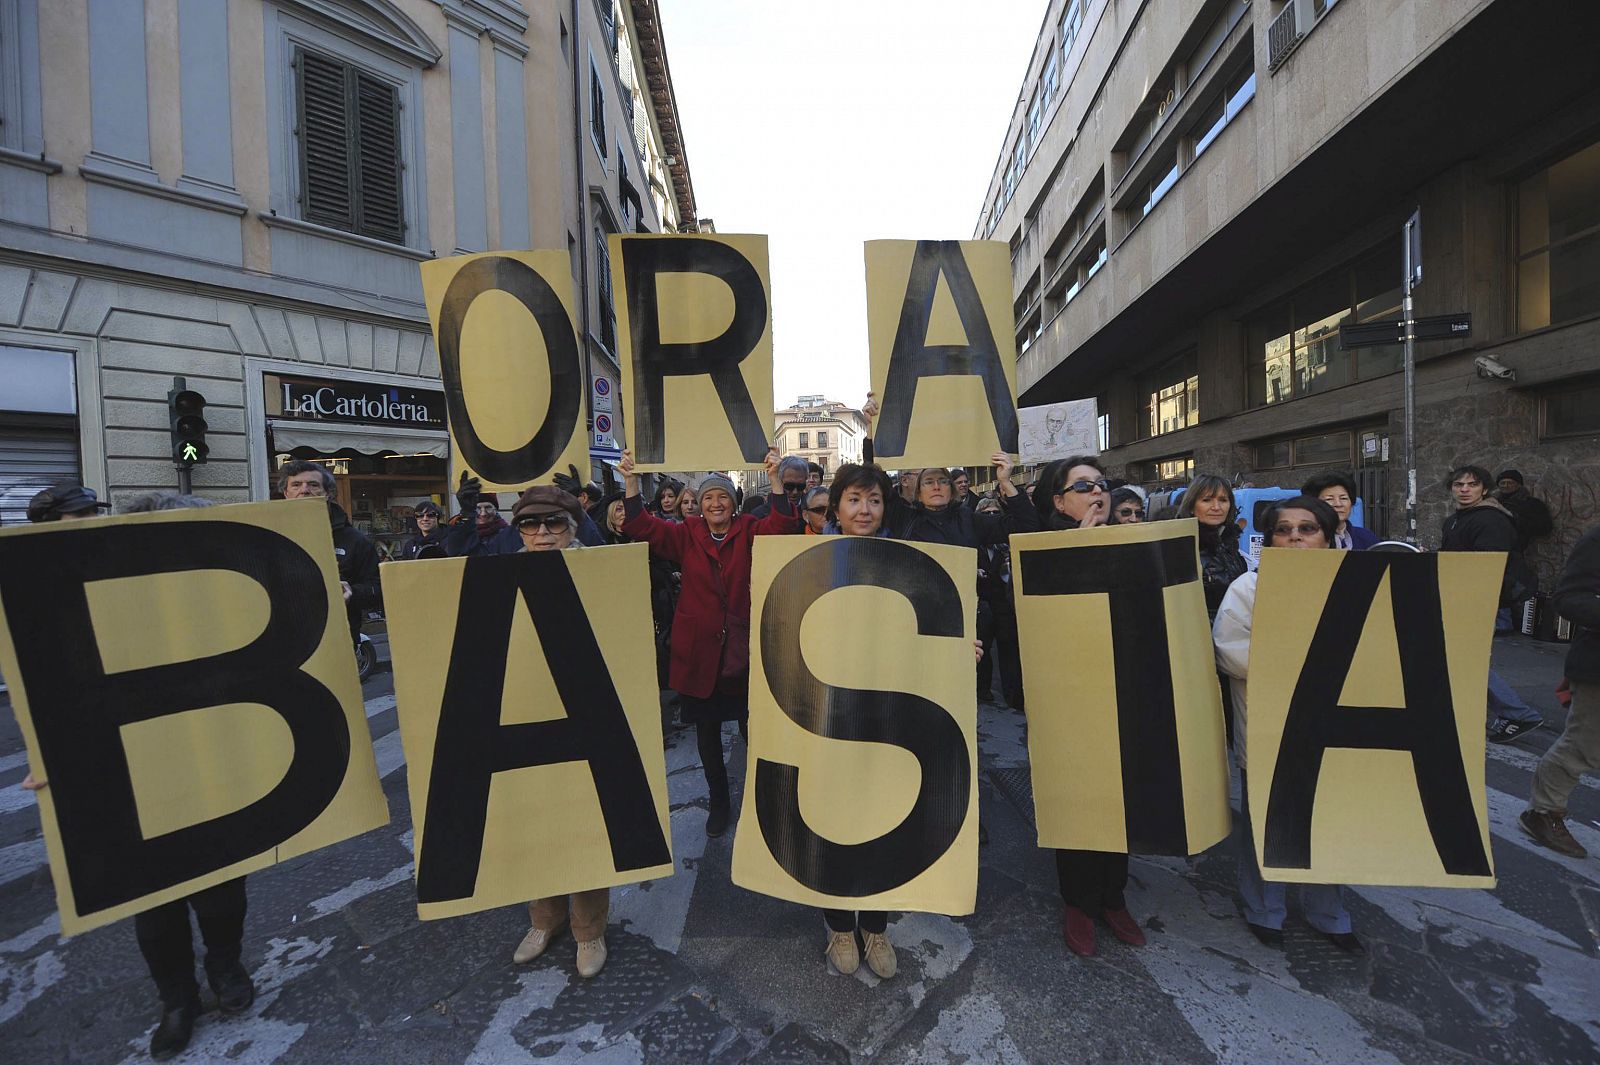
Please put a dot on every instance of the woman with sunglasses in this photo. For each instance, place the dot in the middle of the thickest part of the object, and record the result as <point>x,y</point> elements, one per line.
<point>1127,508</point>
<point>1209,500</point>
<point>710,659</point>
<point>546,519</point>
<point>1302,522</point>
<point>815,510</point>
<point>1072,495</point>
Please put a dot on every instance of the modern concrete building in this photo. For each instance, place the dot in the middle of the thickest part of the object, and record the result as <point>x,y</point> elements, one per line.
<point>1197,193</point>
<point>240,192</point>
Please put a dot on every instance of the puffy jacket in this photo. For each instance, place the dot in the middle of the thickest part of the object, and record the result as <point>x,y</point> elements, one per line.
<point>714,597</point>
<point>1577,598</point>
<point>1490,527</point>
<point>412,547</point>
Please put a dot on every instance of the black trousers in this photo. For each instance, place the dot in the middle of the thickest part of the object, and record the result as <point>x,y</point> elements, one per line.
<point>1092,880</point>
<point>167,942</point>
<point>873,921</point>
<point>708,735</point>
<point>1002,645</point>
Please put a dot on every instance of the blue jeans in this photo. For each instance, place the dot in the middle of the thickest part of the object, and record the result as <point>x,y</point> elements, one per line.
<point>1505,702</point>
<point>1266,902</point>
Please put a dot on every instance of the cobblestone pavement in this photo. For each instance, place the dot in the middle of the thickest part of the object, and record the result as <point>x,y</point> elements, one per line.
<point>703,971</point>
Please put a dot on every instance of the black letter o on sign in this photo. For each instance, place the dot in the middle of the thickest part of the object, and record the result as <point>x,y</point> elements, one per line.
<point>538,456</point>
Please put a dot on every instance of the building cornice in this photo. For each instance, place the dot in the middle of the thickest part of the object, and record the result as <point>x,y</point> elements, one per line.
<point>664,102</point>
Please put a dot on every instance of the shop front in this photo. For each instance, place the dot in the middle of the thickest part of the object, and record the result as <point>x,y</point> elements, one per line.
<point>384,442</point>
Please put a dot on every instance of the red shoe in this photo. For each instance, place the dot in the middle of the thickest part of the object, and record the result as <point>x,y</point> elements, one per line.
<point>1078,930</point>
<point>1124,927</point>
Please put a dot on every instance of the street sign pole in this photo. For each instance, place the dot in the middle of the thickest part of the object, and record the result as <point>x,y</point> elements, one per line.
<point>185,483</point>
<point>1410,236</point>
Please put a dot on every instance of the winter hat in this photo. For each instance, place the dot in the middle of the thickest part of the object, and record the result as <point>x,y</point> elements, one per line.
<point>489,497</point>
<point>719,482</point>
<point>63,497</point>
<point>1510,475</point>
<point>546,499</point>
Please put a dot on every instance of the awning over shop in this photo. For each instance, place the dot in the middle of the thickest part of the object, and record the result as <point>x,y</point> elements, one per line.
<point>331,437</point>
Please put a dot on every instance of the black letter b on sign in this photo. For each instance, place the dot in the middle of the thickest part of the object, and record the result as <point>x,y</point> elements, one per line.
<point>77,708</point>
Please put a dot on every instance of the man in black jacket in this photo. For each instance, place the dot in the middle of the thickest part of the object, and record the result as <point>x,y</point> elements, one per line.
<point>429,541</point>
<point>1532,517</point>
<point>1480,523</point>
<point>1577,598</point>
<point>357,558</point>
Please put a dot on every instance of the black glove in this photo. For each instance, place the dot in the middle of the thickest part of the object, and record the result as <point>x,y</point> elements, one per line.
<point>568,482</point>
<point>467,492</point>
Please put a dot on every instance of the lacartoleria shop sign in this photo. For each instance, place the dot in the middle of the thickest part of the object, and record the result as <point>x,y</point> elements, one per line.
<point>310,399</point>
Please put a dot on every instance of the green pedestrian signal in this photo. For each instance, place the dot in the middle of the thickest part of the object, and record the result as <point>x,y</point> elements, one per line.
<point>185,413</point>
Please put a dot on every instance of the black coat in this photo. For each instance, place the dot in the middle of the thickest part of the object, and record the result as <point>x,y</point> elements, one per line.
<point>1577,598</point>
<point>412,547</point>
<point>1532,517</point>
<point>957,525</point>
<point>1490,527</point>
<point>1220,562</point>
<point>358,567</point>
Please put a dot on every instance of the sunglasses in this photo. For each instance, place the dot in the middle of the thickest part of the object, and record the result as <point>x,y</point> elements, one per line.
<point>1304,529</point>
<point>1129,512</point>
<point>817,510</point>
<point>557,522</point>
<point>1083,486</point>
<point>790,488</point>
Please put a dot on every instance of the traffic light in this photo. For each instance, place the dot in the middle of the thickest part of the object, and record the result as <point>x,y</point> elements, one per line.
<point>185,409</point>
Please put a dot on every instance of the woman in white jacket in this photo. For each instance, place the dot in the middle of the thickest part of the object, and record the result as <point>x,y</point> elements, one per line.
<point>1301,522</point>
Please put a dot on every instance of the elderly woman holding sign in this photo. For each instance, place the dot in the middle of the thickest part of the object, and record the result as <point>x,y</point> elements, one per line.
<point>710,668</point>
<point>546,519</point>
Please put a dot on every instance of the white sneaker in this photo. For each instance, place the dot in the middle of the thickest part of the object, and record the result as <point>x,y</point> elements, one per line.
<point>591,957</point>
<point>880,955</point>
<point>533,944</point>
<point>842,952</point>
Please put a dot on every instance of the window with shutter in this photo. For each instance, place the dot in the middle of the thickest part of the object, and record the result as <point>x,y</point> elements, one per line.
<point>348,129</point>
<point>597,110</point>
<point>608,313</point>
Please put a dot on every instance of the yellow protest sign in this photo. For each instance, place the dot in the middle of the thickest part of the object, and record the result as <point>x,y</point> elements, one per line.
<point>531,724</point>
<point>862,784</point>
<point>940,337</point>
<point>512,368</point>
<point>1364,731</point>
<point>1125,730</point>
<point>185,683</point>
<point>694,336</point>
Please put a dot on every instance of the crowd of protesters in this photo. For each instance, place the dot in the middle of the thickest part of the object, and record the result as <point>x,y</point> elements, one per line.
<point>700,534</point>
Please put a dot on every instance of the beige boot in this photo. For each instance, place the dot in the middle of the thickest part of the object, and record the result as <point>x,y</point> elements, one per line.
<point>842,952</point>
<point>534,943</point>
<point>880,954</point>
<point>591,957</point>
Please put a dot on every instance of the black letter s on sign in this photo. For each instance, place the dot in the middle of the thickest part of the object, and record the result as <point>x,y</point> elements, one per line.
<point>898,718</point>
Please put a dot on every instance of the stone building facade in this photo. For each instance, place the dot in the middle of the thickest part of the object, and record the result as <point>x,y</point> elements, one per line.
<point>239,192</point>
<point>1198,193</point>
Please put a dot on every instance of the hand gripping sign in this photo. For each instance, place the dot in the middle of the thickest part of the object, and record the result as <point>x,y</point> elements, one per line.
<point>1125,732</point>
<point>512,368</point>
<point>1364,732</point>
<point>862,783</point>
<point>694,335</point>
<point>531,723</point>
<point>943,354</point>
<point>185,683</point>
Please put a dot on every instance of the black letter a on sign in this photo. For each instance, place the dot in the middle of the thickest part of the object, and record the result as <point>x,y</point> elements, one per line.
<point>1425,726</point>
<point>913,358</point>
<point>472,745</point>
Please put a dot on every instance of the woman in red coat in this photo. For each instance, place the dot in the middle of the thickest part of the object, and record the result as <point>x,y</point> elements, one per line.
<point>710,667</point>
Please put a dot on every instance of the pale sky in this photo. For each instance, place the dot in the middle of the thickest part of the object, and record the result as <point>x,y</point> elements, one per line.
<point>827,123</point>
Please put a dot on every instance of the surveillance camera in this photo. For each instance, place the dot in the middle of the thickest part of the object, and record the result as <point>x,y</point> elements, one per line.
<point>1491,367</point>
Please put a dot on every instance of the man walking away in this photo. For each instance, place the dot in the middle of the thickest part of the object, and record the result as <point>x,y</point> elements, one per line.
<point>1577,598</point>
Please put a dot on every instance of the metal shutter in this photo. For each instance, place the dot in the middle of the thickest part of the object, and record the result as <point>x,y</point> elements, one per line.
<point>32,460</point>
